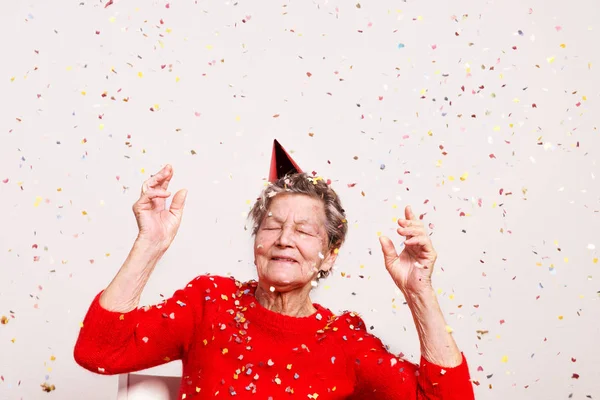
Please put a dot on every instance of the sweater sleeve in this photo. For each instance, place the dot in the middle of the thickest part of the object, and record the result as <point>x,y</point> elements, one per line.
<point>112,342</point>
<point>382,375</point>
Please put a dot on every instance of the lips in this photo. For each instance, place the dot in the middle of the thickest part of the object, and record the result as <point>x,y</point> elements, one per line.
<point>283,259</point>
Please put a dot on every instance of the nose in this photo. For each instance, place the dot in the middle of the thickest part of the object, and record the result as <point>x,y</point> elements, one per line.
<point>286,237</point>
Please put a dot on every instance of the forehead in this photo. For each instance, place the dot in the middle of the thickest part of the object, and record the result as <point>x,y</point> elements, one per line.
<point>299,207</point>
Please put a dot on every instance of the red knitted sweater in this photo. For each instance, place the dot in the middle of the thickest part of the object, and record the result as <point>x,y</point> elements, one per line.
<point>230,345</point>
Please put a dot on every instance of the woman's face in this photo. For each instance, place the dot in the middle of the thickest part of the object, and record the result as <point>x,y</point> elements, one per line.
<point>291,243</point>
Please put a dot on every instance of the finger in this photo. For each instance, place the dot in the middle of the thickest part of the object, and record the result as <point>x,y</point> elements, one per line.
<point>159,178</point>
<point>422,241</point>
<point>409,222</point>
<point>408,212</point>
<point>178,203</point>
<point>155,193</point>
<point>168,174</point>
<point>389,250</point>
<point>410,232</point>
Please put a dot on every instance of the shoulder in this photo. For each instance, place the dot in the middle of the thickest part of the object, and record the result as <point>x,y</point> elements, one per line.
<point>216,286</point>
<point>352,329</point>
<point>348,321</point>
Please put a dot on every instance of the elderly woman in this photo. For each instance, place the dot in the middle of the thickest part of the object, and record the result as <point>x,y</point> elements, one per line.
<point>266,339</point>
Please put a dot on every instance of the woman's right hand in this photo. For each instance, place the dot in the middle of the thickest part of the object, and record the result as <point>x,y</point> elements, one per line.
<point>158,225</point>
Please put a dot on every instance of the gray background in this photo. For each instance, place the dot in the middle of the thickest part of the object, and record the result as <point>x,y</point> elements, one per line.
<point>485,82</point>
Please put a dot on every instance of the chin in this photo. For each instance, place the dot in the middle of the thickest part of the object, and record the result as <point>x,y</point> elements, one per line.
<point>279,278</point>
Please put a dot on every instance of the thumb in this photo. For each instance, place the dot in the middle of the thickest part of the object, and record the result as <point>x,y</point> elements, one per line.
<point>178,203</point>
<point>389,250</point>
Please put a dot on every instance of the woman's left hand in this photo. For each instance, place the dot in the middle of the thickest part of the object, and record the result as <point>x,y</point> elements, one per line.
<point>413,267</point>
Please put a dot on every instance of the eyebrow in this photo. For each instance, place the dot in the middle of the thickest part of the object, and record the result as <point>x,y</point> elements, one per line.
<point>302,221</point>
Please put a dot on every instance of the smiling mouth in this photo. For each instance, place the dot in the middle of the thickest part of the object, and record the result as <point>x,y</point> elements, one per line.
<point>281,259</point>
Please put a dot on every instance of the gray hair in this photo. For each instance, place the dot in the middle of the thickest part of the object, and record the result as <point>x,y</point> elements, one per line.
<point>315,187</point>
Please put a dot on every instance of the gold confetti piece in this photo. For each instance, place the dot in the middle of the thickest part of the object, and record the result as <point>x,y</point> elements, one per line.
<point>47,388</point>
<point>83,92</point>
<point>38,200</point>
<point>4,320</point>
<point>560,317</point>
<point>595,260</point>
<point>140,74</point>
<point>562,45</point>
<point>504,359</point>
<point>449,329</point>
<point>52,358</point>
<point>550,59</point>
<point>121,317</point>
<point>464,176</point>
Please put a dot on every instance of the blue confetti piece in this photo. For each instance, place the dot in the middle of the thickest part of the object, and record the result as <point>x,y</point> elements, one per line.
<point>400,45</point>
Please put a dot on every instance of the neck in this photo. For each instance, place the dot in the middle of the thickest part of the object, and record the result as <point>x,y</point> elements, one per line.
<point>294,303</point>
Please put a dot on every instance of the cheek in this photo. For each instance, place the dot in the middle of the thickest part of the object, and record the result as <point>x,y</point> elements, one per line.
<point>262,245</point>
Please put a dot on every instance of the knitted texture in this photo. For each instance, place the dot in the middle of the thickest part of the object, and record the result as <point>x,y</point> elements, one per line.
<point>230,345</point>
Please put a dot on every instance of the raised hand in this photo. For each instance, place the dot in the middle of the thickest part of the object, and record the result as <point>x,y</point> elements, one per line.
<point>413,267</point>
<point>157,224</point>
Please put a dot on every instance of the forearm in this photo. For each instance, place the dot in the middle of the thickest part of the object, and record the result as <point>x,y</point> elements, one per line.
<point>124,292</point>
<point>437,344</point>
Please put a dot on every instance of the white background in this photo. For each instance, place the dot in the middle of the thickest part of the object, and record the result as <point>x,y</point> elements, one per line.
<point>483,115</point>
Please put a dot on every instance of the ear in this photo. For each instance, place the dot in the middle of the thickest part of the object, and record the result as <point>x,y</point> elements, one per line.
<point>329,260</point>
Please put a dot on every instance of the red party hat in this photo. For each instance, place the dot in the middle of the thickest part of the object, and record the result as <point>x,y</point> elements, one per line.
<point>281,163</point>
